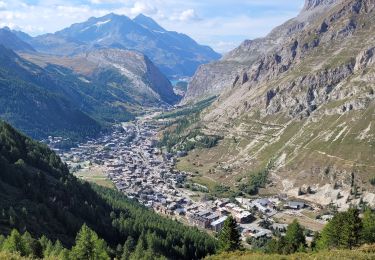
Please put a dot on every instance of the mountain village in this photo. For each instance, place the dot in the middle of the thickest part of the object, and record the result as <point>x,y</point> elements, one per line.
<point>142,171</point>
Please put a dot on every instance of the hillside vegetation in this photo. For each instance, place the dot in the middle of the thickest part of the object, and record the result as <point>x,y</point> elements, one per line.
<point>360,254</point>
<point>346,234</point>
<point>77,96</point>
<point>182,132</point>
<point>39,195</point>
<point>37,104</point>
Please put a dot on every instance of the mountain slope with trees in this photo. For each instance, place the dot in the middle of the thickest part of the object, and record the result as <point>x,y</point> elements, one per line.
<point>77,97</point>
<point>347,234</point>
<point>39,195</point>
<point>33,101</point>
<point>12,41</point>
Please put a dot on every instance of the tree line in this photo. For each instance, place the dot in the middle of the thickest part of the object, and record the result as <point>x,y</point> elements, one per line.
<point>346,230</point>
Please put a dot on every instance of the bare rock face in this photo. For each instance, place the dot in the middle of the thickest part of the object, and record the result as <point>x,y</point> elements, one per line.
<point>138,80</point>
<point>212,79</point>
<point>365,58</point>
<point>145,78</point>
<point>311,4</point>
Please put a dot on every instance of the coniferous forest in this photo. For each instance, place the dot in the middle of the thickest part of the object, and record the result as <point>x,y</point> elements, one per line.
<point>45,204</point>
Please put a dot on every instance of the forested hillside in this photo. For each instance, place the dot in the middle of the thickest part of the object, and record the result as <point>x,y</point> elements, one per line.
<point>78,96</point>
<point>33,101</point>
<point>39,195</point>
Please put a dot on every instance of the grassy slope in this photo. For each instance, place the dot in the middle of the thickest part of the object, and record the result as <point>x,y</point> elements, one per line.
<point>324,255</point>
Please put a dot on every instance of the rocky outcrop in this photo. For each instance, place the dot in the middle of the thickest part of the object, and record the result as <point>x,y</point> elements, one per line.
<point>312,4</point>
<point>212,79</point>
<point>365,58</point>
<point>318,88</point>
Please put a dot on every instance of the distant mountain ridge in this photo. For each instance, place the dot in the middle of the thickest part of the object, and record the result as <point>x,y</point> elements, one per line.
<point>10,40</point>
<point>174,53</point>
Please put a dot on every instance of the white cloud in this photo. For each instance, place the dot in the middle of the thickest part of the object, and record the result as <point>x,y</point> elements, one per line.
<point>145,8</point>
<point>187,15</point>
<point>3,5</point>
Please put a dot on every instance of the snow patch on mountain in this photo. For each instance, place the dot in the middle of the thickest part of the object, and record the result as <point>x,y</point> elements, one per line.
<point>102,23</point>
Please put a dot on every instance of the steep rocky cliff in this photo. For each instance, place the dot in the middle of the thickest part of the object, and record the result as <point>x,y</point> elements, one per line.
<point>213,78</point>
<point>144,78</point>
<point>303,98</point>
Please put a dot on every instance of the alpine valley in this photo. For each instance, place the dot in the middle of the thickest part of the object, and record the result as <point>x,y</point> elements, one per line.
<point>266,152</point>
<point>74,83</point>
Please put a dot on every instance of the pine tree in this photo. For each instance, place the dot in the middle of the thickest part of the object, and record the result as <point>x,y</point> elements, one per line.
<point>57,248</point>
<point>294,238</point>
<point>315,240</point>
<point>140,249</point>
<point>352,229</point>
<point>2,240</point>
<point>152,242</point>
<point>14,243</point>
<point>229,237</point>
<point>343,231</point>
<point>128,248</point>
<point>37,250</point>
<point>47,246</point>
<point>64,255</point>
<point>368,230</point>
<point>89,246</point>
<point>119,251</point>
<point>274,246</point>
<point>27,242</point>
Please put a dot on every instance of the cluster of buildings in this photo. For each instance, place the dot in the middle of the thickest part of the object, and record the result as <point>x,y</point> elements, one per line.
<point>212,214</point>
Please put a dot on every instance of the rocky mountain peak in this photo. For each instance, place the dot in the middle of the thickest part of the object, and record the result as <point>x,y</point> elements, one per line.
<point>148,23</point>
<point>312,4</point>
<point>175,54</point>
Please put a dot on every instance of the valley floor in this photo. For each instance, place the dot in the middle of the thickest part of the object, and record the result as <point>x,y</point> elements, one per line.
<point>129,160</point>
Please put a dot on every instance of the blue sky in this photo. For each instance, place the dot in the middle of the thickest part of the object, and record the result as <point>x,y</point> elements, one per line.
<point>222,24</point>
